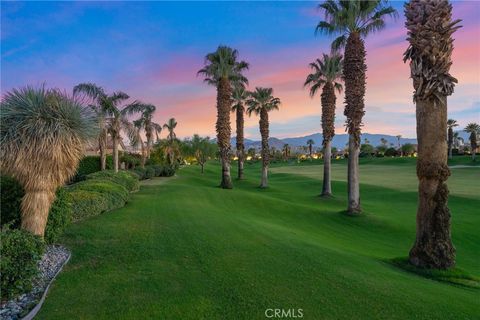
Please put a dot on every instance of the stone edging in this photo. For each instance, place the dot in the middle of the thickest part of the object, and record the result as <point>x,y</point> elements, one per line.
<point>37,308</point>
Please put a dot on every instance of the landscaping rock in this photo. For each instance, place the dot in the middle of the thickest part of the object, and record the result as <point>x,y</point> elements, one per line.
<point>50,264</point>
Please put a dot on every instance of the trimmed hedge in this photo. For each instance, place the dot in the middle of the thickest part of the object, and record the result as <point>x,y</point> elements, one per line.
<point>90,164</point>
<point>11,199</point>
<point>155,170</point>
<point>20,252</point>
<point>125,178</point>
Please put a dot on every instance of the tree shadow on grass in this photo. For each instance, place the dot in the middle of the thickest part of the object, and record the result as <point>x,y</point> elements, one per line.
<point>455,276</point>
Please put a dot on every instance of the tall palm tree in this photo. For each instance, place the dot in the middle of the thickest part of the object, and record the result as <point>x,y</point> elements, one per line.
<point>310,144</point>
<point>222,69</point>
<point>383,141</point>
<point>399,145</point>
<point>136,139</point>
<point>474,130</point>
<point>102,104</point>
<point>239,96</point>
<point>353,20</point>
<point>450,125</point>
<point>150,127</point>
<point>43,137</point>
<point>430,28</point>
<point>286,151</point>
<point>170,126</point>
<point>326,73</point>
<point>261,102</point>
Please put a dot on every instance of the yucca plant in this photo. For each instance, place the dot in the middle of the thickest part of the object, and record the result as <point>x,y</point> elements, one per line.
<point>430,28</point>
<point>261,102</point>
<point>43,136</point>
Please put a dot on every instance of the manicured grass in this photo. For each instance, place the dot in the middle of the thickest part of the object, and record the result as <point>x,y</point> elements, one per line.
<point>186,249</point>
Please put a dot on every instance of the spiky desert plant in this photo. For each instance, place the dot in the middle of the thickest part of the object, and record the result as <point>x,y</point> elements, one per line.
<point>261,102</point>
<point>170,126</point>
<point>353,20</point>
<point>43,135</point>
<point>239,97</point>
<point>222,69</point>
<point>451,123</point>
<point>430,28</point>
<point>326,74</point>
<point>474,130</point>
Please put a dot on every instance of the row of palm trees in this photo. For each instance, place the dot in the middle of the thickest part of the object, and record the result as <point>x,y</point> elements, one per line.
<point>223,70</point>
<point>113,118</point>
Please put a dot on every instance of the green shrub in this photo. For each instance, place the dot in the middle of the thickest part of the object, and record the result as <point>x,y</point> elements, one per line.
<point>131,160</point>
<point>88,164</point>
<point>59,217</point>
<point>20,252</point>
<point>390,152</point>
<point>141,172</point>
<point>125,178</point>
<point>11,198</point>
<point>95,196</point>
<point>163,170</point>
<point>149,172</point>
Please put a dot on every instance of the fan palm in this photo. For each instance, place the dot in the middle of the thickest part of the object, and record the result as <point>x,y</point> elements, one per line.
<point>222,69</point>
<point>170,126</point>
<point>239,96</point>
<point>326,73</point>
<point>261,102</point>
<point>310,144</point>
<point>474,130</point>
<point>450,125</point>
<point>399,145</point>
<point>286,151</point>
<point>43,135</point>
<point>353,20</point>
<point>430,28</point>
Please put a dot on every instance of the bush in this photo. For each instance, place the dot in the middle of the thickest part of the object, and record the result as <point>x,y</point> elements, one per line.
<point>11,198</point>
<point>141,172</point>
<point>163,170</point>
<point>59,217</point>
<point>390,152</point>
<point>20,252</point>
<point>125,178</point>
<point>149,172</point>
<point>90,164</point>
<point>131,160</point>
<point>95,196</point>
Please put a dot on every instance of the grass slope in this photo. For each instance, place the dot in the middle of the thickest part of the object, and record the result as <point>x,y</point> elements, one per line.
<point>186,249</point>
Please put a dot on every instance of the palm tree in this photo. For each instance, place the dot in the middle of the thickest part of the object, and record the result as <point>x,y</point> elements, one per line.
<point>286,151</point>
<point>474,130</point>
<point>326,72</point>
<point>170,126</point>
<point>399,145</point>
<point>43,136</point>
<point>239,96</point>
<point>261,102</point>
<point>222,69</point>
<point>353,20</point>
<point>450,125</point>
<point>150,127</point>
<point>310,144</point>
<point>383,141</point>
<point>102,104</point>
<point>430,29</point>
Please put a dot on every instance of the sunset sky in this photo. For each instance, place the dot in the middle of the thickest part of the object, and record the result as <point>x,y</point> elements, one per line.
<point>153,50</point>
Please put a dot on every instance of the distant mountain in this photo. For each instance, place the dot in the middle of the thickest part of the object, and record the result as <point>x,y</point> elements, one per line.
<point>339,141</point>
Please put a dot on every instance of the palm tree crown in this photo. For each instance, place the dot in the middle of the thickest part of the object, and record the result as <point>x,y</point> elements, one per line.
<point>262,99</point>
<point>239,96</point>
<point>223,64</point>
<point>353,16</point>
<point>170,126</point>
<point>325,70</point>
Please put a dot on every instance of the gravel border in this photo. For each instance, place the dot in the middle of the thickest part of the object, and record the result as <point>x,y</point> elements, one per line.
<point>27,305</point>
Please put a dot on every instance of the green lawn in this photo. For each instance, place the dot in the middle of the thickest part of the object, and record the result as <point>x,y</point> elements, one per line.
<point>185,249</point>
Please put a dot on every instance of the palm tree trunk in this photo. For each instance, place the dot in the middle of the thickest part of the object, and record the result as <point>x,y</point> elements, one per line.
<point>327,160</point>
<point>240,140</point>
<point>36,205</point>
<point>353,177</point>
<point>450,142</point>
<point>265,149</point>
<point>433,246</point>
<point>102,145</point>
<point>354,74</point>
<point>149,144</point>
<point>144,155</point>
<point>328,127</point>
<point>223,130</point>
<point>115,152</point>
